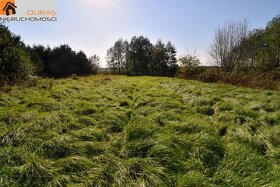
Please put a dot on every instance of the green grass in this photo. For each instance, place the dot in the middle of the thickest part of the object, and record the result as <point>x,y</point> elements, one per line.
<point>138,131</point>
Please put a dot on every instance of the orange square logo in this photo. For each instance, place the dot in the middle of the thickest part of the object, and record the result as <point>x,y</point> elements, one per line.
<point>7,7</point>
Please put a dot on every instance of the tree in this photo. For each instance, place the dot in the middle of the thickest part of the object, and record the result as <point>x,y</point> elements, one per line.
<point>260,51</point>
<point>189,61</point>
<point>62,61</point>
<point>116,57</point>
<point>164,62</point>
<point>95,63</point>
<point>252,51</point>
<point>139,56</point>
<point>159,66</point>
<point>273,43</point>
<point>171,59</point>
<point>191,64</point>
<point>58,65</point>
<point>36,60</point>
<point>224,50</point>
<point>111,62</point>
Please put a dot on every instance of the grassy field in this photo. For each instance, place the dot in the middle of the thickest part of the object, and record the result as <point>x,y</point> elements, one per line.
<point>138,131</point>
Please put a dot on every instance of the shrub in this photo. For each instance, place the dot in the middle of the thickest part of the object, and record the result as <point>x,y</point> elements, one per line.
<point>191,64</point>
<point>74,77</point>
<point>15,65</point>
<point>208,76</point>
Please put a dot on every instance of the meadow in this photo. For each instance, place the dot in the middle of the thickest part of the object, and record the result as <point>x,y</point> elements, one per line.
<point>138,131</point>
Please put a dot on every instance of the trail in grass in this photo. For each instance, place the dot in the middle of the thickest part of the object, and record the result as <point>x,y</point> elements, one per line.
<point>138,131</point>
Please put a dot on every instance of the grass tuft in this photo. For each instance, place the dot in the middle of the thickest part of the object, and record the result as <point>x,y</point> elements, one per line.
<point>11,157</point>
<point>55,148</point>
<point>206,110</point>
<point>74,165</point>
<point>34,174</point>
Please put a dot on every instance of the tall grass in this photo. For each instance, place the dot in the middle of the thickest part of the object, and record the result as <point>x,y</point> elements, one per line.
<point>138,131</point>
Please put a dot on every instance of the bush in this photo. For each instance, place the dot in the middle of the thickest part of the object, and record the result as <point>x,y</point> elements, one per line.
<point>191,65</point>
<point>210,76</point>
<point>15,65</point>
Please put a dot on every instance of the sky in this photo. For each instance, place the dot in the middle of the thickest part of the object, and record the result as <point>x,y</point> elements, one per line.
<point>94,25</point>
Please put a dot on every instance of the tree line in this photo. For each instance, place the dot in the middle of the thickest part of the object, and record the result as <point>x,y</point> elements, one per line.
<point>19,61</point>
<point>140,57</point>
<point>236,48</point>
<point>239,56</point>
<point>61,61</point>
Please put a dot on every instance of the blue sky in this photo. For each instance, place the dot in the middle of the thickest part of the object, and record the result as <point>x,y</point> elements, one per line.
<point>94,25</point>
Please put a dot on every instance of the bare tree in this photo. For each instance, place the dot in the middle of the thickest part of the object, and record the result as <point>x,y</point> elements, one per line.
<point>225,51</point>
